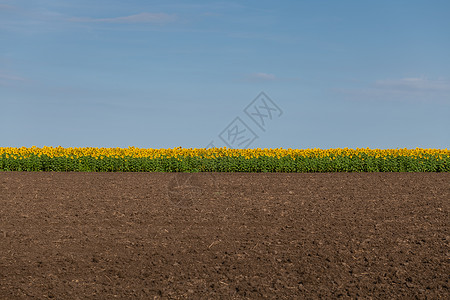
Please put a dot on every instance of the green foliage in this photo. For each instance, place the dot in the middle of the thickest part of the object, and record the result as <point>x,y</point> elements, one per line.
<point>300,164</point>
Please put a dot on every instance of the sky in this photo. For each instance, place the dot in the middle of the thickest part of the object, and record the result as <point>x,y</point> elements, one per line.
<point>241,74</point>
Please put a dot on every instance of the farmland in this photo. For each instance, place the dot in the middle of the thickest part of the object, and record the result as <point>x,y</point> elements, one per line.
<point>130,235</point>
<point>179,159</point>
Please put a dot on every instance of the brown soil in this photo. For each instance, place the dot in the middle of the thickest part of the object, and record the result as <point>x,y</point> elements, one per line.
<point>224,236</point>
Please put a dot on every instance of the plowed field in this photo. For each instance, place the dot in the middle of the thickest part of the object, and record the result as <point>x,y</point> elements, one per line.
<point>224,235</point>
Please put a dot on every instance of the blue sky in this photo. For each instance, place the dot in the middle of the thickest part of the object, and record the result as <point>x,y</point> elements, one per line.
<point>163,74</point>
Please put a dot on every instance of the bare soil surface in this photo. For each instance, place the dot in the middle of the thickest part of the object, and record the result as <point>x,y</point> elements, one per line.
<point>224,235</point>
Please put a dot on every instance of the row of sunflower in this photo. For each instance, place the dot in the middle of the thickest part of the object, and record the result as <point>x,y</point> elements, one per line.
<point>223,160</point>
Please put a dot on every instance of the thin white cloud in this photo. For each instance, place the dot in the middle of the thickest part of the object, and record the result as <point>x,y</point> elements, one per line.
<point>276,38</point>
<point>261,77</point>
<point>145,17</point>
<point>5,6</point>
<point>404,89</point>
<point>7,79</point>
<point>6,76</point>
<point>267,77</point>
<point>411,84</point>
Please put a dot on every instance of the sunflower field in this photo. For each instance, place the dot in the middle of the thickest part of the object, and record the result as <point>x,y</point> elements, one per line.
<point>179,159</point>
